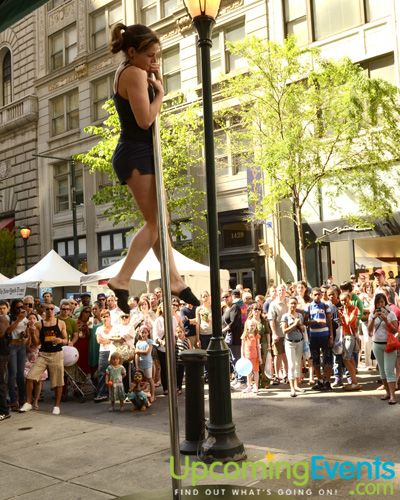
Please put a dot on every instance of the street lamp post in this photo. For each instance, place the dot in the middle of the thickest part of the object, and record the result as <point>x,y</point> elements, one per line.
<point>25,232</point>
<point>222,443</point>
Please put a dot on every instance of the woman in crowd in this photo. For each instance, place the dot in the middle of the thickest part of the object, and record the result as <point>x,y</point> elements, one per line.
<point>104,335</point>
<point>264,330</point>
<point>295,334</point>
<point>381,320</point>
<point>159,341</point>
<point>203,321</point>
<point>17,357</point>
<point>93,344</point>
<point>82,344</point>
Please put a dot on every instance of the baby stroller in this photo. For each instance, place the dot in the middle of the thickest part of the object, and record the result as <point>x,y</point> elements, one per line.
<point>76,380</point>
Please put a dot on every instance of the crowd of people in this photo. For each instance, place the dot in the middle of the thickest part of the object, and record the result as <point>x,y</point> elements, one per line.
<point>293,336</point>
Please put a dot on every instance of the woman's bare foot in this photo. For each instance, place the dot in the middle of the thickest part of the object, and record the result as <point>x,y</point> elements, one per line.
<point>117,284</point>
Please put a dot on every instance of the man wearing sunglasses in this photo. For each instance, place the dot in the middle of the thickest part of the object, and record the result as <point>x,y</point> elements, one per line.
<point>51,335</point>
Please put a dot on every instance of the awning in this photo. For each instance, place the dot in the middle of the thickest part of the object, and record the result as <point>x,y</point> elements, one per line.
<point>7,223</point>
<point>12,11</point>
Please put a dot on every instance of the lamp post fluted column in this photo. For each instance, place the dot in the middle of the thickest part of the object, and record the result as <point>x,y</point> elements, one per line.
<point>222,442</point>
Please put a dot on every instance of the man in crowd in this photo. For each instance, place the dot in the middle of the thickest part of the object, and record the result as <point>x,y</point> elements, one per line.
<point>48,299</point>
<point>51,335</point>
<point>70,323</point>
<point>318,318</point>
<point>85,302</point>
<point>115,311</point>
<point>232,327</point>
<point>276,310</point>
<point>188,316</point>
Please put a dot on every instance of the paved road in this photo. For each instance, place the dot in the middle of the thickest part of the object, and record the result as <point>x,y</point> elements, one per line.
<point>89,453</point>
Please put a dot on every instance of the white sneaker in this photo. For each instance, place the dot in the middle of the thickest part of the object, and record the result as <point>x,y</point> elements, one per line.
<point>255,389</point>
<point>247,389</point>
<point>25,407</point>
<point>56,410</point>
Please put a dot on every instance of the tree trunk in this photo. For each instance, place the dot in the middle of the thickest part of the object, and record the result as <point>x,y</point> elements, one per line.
<point>302,252</point>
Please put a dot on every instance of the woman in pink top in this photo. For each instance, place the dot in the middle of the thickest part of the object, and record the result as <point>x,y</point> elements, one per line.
<point>251,349</point>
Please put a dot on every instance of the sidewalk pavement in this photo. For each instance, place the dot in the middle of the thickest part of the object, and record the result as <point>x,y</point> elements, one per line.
<point>89,453</point>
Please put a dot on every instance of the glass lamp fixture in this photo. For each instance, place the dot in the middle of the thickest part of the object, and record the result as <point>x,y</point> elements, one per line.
<point>25,232</point>
<point>198,8</point>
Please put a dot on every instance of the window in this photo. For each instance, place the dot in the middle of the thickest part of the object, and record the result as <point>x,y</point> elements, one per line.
<point>296,20</point>
<point>231,150</point>
<point>63,47</point>
<point>152,11</point>
<point>222,61</point>
<point>171,70</point>
<point>54,3</point>
<point>329,17</point>
<point>101,92</point>
<point>62,187</point>
<point>236,234</point>
<point>65,248</point>
<point>6,79</point>
<point>101,23</point>
<point>65,113</point>
<point>111,246</point>
<point>335,16</point>
<point>381,67</point>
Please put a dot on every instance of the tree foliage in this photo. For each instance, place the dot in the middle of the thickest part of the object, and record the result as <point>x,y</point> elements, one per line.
<point>312,124</point>
<point>180,155</point>
<point>7,252</point>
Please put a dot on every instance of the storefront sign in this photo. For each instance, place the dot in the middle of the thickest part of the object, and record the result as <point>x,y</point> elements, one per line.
<point>12,292</point>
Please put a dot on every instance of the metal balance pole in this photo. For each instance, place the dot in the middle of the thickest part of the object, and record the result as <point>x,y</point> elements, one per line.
<point>167,304</point>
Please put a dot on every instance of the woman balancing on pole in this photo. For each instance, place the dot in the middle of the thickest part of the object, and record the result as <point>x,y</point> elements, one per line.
<point>138,99</point>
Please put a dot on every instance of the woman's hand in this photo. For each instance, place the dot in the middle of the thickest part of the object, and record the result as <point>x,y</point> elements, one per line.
<point>155,69</point>
<point>157,85</point>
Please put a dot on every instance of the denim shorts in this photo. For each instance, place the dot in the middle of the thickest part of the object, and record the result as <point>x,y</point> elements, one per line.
<point>318,344</point>
<point>130,155</point>
<point>349,342</point>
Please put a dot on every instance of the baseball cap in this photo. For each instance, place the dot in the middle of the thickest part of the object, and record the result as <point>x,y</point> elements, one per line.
<point>86,294</point>
<point>380,272</point>
<point>101,296</point>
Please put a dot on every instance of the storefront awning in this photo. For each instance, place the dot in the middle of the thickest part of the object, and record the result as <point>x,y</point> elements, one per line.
<point>12,11</point>
<point>7,223</point>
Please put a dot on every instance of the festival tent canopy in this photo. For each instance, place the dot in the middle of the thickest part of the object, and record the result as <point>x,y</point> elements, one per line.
<point>51,271</point>
<point>195,274</point>
<point>3,279</point>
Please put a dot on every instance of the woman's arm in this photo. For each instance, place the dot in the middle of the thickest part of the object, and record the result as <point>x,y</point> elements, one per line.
<point>136,81</point>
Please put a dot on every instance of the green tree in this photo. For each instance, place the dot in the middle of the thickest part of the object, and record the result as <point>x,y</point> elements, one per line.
<point>179,144</point>
<point>7,252</point>
<point>313,123</point>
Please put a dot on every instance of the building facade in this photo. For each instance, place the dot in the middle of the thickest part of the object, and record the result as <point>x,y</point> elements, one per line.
<point>56,72</point>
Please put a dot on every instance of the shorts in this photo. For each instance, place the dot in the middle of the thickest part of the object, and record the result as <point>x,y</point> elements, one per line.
<point>148,372</point>
<point>131,155</point>
<point>318,344</point>
<point>54,362</point>
<point>278,347</point>
<point>349,343</point>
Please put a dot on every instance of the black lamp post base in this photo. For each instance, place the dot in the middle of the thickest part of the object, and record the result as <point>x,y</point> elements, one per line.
<point>189,447</point>
<point>223,445</point>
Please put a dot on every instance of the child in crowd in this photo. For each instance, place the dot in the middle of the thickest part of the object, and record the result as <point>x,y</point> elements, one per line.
<point>32,353</point>
<point>138,394</point>
<point>251,349</point>
<point>115,372</point>
<point>182,344</point>
<point>143,357</point>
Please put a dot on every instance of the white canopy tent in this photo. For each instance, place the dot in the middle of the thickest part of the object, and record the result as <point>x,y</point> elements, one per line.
<point>195,275</point>
<point>3,279</point>
<point>51,271</point>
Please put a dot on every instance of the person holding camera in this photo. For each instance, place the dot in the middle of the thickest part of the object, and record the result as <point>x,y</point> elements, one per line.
<point>17,357</point>
<point>381,321</point>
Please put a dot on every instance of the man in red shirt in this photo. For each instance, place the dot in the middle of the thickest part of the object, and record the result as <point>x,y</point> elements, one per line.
<point>348,320</point>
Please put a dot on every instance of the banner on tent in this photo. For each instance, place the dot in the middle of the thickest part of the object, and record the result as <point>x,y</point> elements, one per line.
<point>14,292</point>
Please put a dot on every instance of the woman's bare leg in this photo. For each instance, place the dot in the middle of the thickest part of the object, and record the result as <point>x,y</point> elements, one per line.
<point>143,189</point>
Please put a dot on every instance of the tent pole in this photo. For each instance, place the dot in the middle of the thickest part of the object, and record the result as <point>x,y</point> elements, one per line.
<point>167,313</point>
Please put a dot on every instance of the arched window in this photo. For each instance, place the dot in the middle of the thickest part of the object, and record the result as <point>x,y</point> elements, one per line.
<point>6,78</point>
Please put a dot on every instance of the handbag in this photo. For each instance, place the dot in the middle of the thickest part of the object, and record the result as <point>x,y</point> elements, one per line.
<point>127,353</point>
<point>306,350</point>
<point>268,366</point>
<point>393,343</point>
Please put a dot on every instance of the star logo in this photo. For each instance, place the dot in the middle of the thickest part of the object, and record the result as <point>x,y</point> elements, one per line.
<point>269,456</point>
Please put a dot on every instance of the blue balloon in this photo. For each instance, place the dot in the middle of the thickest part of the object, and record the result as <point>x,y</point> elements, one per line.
<point>243,367</point>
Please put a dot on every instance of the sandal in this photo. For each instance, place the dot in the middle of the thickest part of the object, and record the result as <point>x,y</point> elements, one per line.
<point>385,397</point>
<point>188,296</point>
<point>122,296</point>
<point>35,406</point>
<point>4,417</point>
<point>392,402</point>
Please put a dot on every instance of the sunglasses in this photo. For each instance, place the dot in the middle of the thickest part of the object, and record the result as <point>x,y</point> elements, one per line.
<point>125,317</point>
<point>256,309</point>
<point>65,309</point>
<point>226,296</point>
<point>49,308</point>
<point>28,305</point>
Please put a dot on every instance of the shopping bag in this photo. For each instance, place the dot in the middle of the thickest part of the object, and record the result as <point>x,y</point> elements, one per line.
<point>306,350</point>
<point>393,343</point>
<point>268,365</point>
